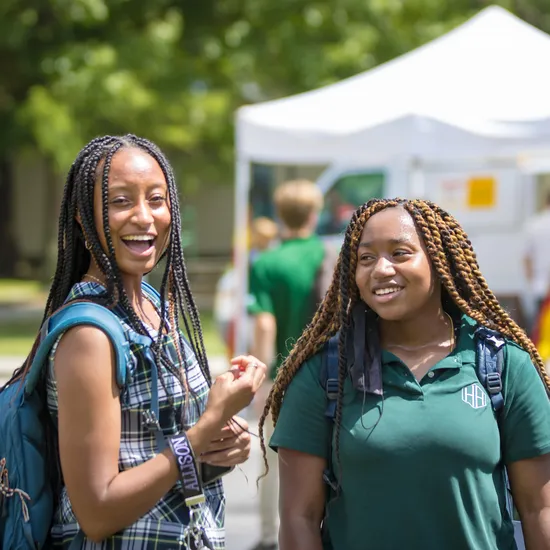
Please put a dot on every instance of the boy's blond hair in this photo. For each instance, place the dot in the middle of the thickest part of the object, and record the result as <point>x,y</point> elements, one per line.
<point>296,201</point>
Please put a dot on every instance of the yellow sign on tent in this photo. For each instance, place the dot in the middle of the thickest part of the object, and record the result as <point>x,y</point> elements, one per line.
<point>482,192</point>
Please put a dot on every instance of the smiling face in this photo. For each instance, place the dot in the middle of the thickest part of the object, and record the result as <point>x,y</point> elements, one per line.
<point>139,213</point>
<point>394,274</point>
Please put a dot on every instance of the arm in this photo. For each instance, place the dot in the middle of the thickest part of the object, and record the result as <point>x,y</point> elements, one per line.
<point>525,439</point>
<point>528,267</point>
<point>301,500</point>
<point>263,347</point>
<point>104,499</point>
<point>265,332</point>
<point>528,253</point>
<point>530,482</point>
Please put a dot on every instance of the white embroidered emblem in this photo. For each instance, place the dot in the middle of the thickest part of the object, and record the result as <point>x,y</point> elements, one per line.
<point>474,396</point>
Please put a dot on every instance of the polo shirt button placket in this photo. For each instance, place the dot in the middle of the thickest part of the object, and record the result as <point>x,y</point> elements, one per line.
<point>431,374</point>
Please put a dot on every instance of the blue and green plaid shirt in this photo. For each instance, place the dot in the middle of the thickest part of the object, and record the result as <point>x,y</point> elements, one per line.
<point>163,526</point>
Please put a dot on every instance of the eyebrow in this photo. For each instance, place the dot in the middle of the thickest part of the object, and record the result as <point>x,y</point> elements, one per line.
<point>123,186</point>
<point>370,244</point>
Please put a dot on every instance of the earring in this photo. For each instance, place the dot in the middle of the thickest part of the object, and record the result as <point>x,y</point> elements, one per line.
<point>88,247</point>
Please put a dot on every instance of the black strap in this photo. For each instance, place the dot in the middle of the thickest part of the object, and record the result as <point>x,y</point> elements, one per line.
<point>189,470</point>
<point>329,381</point>
<point>490,347</point>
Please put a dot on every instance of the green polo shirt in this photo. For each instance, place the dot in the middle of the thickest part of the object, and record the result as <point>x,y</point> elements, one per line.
<point>420,468</point>
<point>281,283</point>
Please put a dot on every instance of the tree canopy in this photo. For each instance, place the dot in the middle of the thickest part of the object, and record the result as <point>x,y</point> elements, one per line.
<point>176,71</point>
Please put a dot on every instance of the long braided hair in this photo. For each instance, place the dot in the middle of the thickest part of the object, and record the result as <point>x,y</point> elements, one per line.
<point>79,244</point>
<point>454,261</point>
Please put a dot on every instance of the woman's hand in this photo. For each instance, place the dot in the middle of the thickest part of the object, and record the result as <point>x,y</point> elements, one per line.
<point>231,446</point>
<point>234,390</point>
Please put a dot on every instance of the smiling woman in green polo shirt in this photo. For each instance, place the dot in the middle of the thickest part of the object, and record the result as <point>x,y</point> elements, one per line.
<point>417,451</point>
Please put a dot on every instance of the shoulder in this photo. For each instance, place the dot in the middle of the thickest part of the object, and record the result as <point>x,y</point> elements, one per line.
<point>84,358</point>
<point>308,375</point>
<point>263,267</point>
<point>268,257</point>
<point>83,341</point>
<point>517,364</point>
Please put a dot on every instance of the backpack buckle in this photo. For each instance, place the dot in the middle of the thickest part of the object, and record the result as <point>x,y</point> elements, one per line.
<point>494,383</point>
<point>332,389</point>
<point>150,421</point>
<point>495,341</point>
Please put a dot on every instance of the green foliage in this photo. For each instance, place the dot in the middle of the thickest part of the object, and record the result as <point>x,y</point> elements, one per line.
<point>176,71</point>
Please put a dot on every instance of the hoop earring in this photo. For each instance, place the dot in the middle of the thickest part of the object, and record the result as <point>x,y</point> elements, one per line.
<point>88,247</point>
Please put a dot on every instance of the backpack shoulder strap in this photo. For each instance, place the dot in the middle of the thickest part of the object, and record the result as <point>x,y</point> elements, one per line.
<point>490,362</point>
<point>329,381</point>
<point>151,290</point>
<point>74,314</point>
<point>329,375</point>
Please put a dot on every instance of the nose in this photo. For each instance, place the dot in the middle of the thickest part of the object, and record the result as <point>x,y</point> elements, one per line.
<point>143,214</point>
<point>384,268</point>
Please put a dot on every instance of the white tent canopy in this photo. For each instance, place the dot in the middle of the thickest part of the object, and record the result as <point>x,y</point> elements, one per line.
<point>482,89</point>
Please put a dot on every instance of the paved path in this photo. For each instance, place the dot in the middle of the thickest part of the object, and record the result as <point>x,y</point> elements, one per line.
<point>242,519</point>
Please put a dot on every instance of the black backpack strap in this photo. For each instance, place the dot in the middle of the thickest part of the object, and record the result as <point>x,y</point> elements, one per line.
<point>490,346</point>
<point>490,362</point>
<point>329,381</point>
<point>329,376</point>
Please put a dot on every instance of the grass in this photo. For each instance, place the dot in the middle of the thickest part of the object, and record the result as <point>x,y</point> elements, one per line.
<point>15,291</point>
<point>17,338</point>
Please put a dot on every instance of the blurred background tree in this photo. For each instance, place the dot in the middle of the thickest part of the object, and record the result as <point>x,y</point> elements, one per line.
<point>176,71</point>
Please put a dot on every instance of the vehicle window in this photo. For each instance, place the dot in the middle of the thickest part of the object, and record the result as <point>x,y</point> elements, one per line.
<point>344,197</point>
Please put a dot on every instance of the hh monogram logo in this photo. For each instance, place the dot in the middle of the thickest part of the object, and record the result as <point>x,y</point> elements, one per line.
<point>474,396</point>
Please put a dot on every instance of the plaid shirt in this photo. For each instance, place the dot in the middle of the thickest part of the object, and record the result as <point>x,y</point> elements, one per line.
<point>163,526</point>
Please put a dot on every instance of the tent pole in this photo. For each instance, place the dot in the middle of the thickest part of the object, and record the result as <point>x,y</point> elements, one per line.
<point>240,243</point>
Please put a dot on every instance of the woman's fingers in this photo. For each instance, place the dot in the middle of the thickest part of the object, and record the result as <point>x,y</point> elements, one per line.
<point>222,444</point>
<point>229,457</point>
<point>244,362</point>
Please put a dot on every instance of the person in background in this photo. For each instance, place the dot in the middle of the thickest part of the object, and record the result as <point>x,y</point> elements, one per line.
<point>282,281</point>
<point>263,234</point>
<point>537,256</point>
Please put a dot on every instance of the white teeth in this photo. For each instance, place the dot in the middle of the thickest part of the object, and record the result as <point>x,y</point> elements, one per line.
<point>391,290</point>
<point>138,238</point>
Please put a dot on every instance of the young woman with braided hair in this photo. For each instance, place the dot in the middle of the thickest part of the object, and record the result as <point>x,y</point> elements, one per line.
<point>417,454</point>
<point>119,216</point>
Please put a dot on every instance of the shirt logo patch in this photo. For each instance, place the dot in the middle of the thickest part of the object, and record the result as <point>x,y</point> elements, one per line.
<point>474,396</point>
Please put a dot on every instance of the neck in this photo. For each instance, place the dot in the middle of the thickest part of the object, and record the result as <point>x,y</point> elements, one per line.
<point>131,284</point>
<point>424,329</point>
<point>303,233</point>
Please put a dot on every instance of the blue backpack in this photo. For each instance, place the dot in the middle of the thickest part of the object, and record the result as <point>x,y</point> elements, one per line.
<point>490,361</point>
<point>26,491</point>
